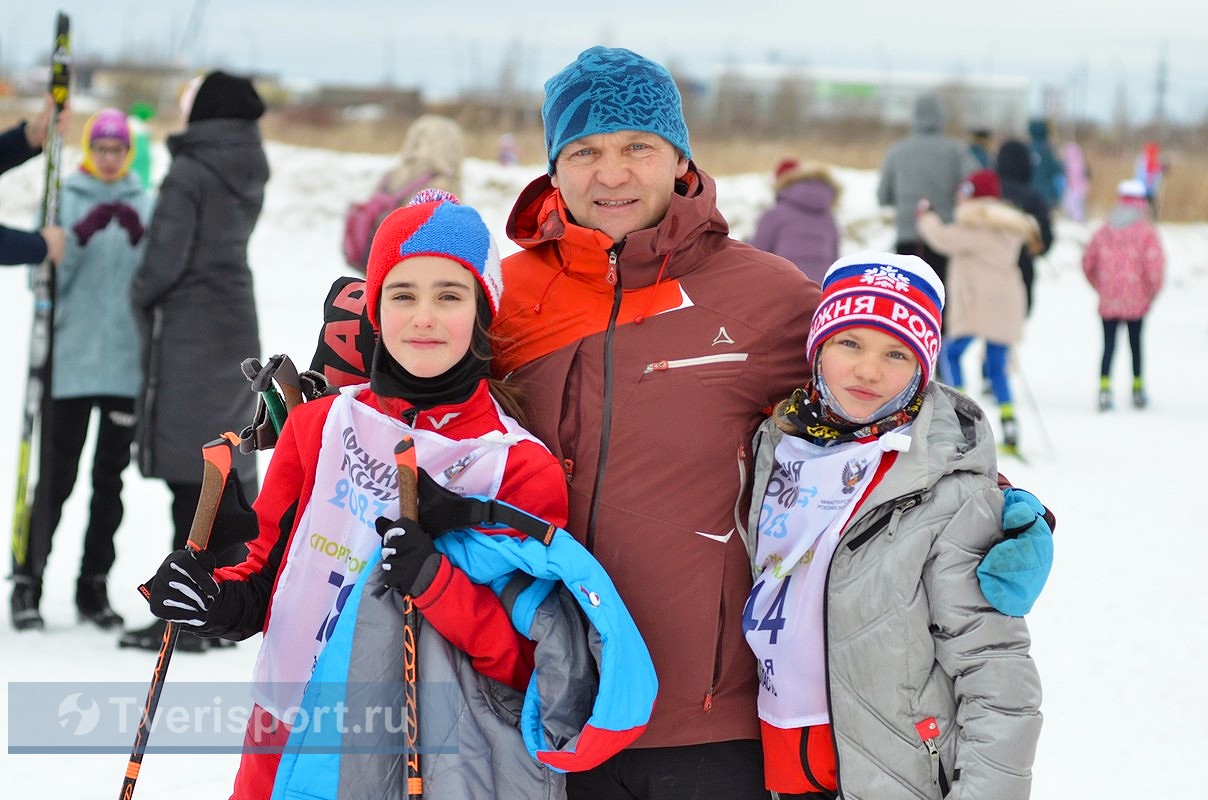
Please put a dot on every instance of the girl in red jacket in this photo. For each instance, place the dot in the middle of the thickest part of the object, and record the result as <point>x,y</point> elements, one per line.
<point>432,288</point>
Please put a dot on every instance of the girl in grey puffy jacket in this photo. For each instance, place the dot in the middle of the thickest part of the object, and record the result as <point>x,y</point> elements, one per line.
<point>884,672</point>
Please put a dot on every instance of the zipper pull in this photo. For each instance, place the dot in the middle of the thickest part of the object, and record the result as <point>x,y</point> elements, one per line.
<point>610,277</point>
<point>893,523</point>
<point>709,699</point>
<point>928,730</point>
<point>896,517</point>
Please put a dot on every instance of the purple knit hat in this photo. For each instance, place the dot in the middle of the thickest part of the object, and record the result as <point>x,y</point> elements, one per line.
<point>109,123</point>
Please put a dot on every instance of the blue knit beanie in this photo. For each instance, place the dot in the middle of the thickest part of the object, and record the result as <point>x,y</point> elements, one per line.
<point>607,90</point>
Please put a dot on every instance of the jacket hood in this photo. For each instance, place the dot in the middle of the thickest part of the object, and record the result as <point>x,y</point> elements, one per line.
<point>126,188</point>
<point>540,216</point>
<point>1125,214</point>
<point>928,114</point>
<point>229,148</point>
<point>989,212</point>
<point>815,174</point>
<point>433,146</point>
<point>1038,129</point>
<point>950,434</point>
<point>809,195</point>
<point>1013,161</point>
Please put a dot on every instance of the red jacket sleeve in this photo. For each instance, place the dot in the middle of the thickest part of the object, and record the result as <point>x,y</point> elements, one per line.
<point>471,616</point>
<point>473,619</point>
<point>247,588</point>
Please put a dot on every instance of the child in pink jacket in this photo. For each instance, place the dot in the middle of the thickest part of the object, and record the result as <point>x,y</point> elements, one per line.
<point>1124,263</point>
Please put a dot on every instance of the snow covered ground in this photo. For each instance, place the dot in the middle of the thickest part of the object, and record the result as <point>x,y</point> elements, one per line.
<point>1119,635</point>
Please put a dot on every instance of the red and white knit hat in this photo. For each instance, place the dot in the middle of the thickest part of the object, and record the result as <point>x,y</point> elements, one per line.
<point>896,294</point>
<point>434,223</point>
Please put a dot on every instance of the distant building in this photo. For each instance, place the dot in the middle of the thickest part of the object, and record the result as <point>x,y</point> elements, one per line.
<point>781,99</point>
<point>393,100</point>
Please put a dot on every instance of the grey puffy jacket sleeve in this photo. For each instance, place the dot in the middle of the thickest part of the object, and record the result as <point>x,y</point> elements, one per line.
<point>995,681</point>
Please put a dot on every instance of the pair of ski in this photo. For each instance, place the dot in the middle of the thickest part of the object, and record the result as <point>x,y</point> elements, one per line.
<point>280,388</point>
<point>35,414</point>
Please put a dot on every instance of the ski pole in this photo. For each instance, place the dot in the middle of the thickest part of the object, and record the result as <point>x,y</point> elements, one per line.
<point>217,455</point>
<point>408,506</point>
<point>1027,391</point>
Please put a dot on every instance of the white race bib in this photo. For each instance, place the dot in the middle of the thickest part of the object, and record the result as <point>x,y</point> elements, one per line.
<point>355,483</point>
<point>810,496</point>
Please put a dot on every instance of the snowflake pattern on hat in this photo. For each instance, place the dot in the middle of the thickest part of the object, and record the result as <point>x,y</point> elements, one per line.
<point>887,277</point>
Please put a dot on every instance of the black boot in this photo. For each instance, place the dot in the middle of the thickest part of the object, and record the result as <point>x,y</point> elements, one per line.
<point>92,602</point>
<point>23,605</point>
<point>152,637</point>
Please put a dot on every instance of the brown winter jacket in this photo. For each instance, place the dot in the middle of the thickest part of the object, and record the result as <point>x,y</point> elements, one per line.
<point>649,389</point>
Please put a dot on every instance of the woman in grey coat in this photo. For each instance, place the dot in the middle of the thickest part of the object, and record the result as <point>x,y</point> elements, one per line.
<point>884,671</point>
<point>193,297</point>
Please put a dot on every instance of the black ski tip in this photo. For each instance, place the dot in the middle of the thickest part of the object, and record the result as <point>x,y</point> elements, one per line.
<point>404,444</point>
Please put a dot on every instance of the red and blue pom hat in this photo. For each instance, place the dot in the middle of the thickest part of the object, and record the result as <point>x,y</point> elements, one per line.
<point>434,223</point>
<point>897,294</point>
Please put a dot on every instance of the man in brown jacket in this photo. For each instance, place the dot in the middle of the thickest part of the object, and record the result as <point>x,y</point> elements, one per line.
<point>649,344</point>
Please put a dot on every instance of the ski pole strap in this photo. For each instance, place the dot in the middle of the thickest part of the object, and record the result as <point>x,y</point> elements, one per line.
<point>445,511</point>
<point>279,388</point>
<point>288,381</point>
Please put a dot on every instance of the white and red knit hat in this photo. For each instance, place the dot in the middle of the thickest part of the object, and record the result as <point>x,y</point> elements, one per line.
<point>434,223</point>
<point>896,294</point>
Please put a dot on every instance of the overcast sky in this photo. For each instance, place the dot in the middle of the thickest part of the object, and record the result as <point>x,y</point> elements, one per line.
<point>1086,47</point>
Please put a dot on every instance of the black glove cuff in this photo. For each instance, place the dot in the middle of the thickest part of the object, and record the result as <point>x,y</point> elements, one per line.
<point>427,574</point>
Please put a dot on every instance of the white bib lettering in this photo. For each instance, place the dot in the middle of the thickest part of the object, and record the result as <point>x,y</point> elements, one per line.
<point>810,497</point>
<point>355,483</point>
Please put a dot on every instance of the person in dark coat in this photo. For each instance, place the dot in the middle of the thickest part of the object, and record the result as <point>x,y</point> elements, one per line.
<point>1014,167</point>
<point>194,302</point>
<point>19,144</point>
<point>1048,173</point>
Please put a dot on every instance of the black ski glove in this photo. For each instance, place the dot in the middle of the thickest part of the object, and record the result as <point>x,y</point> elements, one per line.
<point>183,589</point>
<point>409,560</point>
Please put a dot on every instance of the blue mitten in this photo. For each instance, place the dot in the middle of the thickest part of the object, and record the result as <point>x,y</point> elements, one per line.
<point>1014,571</point>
